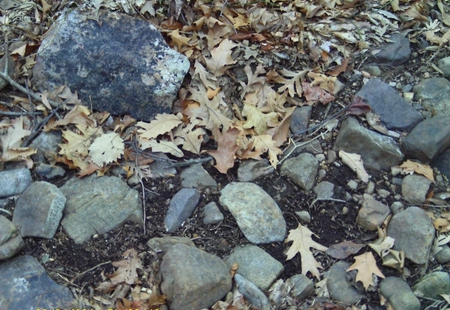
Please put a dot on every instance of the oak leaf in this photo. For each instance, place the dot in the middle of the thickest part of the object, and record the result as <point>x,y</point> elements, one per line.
<point>161,146</point>
<point>106,149</point>
<point>301,244</point>
<point>355,163</point>
<point>221,57</point>
<point>225,154</point>
<point>256,119</point>
<point>366,266</point>
<point>190,137</point>
<point>409,167</point>
<point>163,123</point>
<point>126,272</point>
<point>315,93</point>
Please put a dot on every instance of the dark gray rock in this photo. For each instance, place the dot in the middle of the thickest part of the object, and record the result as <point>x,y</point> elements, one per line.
<point>14,182</point>
<point>165,243</point>
<point>396,52</point>
<point>49,171</point>
<point>256,213</point>
<point>434,95</point>
<point>39,210</point>
<point>192,278</point>
<point>132,72</point>
<point>413,232</point>
<point>26,285</point>
<point>444,65</point>
<point>97,205</point>
<point>301,169</point>
<point>442,162</point>
<point>399,294</point>
<point>428,139</point>
<point>300,119</point>
<point>251,169</point>
<point>302,286</point>
<point>196,176</point>
<point>395,113</point>
<point>433,285</point>
<point>377,151</point>
<point>255,265</point>
<point>252,293</point>
<point>181,207</point>
<point>10,240</point>
<point>212,214</point>
<point>11,70</point>
<point>372,213</point>
<point>46,144</point>
<point>339,287</point>
<point>415,188</point>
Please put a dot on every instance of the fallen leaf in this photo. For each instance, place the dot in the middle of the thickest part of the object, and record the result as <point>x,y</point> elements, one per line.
<point>339,68</point>
<point>225,154</point>
<point>409,167</point>
<point>163,123</point>
<point>315,93</point>
<point>106,148</point>
<point>301,244</point>
<point>161,146</point>
<point>358,107</point>
<point>344,249</point>
<point>366,265</point>
<point>221,57</point>
<point>355,163</point>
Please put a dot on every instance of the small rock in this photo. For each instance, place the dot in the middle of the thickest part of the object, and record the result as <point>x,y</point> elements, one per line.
<point>252,293</point>
<point>398,294</point>
<point>165,243</point>
<point>352,184</point>
<point>256,213</point>
<point>413,232</point>
<point>444,65</point>
<point>395,52</point>
<point>192,278</point>
<point>250,169</point>
<point>443,256</point>
<point>434,95</point>
<point>49,171</point>
<point>415,188</point>
<point>372,213</point>
<point>26,285</point>
<point>181,207</point>
<point>331,156</point>
<point>442,163</point>
<point>304,216</point>
<point>212,214</point>
<point>312,147</point>
<point>39,210</point>
<point>10,240</point>
<point>433,285</point>
<point>383,193</point>
<point>255,265</point>
<point>14,182</point>
<point>397,207</point>
<point>302,169</point>
<point>370,188</point>
<point>339,287</point>
<point>46,144</point>
<point>300,119</point>
<point>162,168</point>
<point>196,176</point>
<point>324,189</point>
<point>11,70</point>
<point>302,286</point>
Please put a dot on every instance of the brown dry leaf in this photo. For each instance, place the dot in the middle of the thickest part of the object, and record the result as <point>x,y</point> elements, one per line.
<point>339,68</point>
<point>79,115</point>
<point>254,79</point>
<point>323,81</point>
<point>301,244</point>
<point>226,149</point>
<point>208,79</point>
<point>355,163</point>
<point>260,145</point>
<point>163,146</point>
<point>366,266</point>
<point>178,39</point>
<point>126,272</point>
<point>280,133</point>
<point>292,83</point>
<point>344,249</point>
<point>163,123</point>
<point>315,93</point>
<point>190,137</point>
<point>358,107</point>
<point>106,148</point>
<point>257,120</point>
<point>221,57</point>
<point>409,167</point>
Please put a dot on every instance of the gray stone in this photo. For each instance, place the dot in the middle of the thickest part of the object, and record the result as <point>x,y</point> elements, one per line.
<point>134,73</point>
<point>397,207</point>
<point>10,240</point>
<point>372,213</point>
<point>165,243</point>
<point>98,205</point>
<point>39,210</point>
<point>386,102</point>
<point>313,147</point>
<point>302,286</point>
<point>324,189</point>
<point>443,256</point>
<point>428,139</point>
<point>49,171</point>
<point>444,65</point>
<point>433,285</point>
<point>181,207</point>
<point>14,182</point>
<point>162,168</point>
<point>301,169</point>
<point>250,169</point>
<point>46,144</point>
<point>304,216</point>
<point>255,265</point>
<point>26,285</point>
<point>212,214</point>
<point>256,213</point>
<point>377,151</point>
<point>399,294</point>
<point>415,188</point>
<point>11,70</point>
<point>339,287</point>
<point>413,232</point>
<point>252,293</point>
<point>442,163</point>
<point>300,119</point>
<point>434,95</point>
<point>395,52</point>
<point>192,278</point>
<point>196,176</point>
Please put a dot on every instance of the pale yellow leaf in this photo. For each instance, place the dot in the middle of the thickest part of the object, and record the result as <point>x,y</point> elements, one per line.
<point>409,167</point>
<point>355,163</point>
<point>106,149</point>
<point>163,123</point>
<point>161,146</point>
<point>366,266</point>
<point>221,57</point>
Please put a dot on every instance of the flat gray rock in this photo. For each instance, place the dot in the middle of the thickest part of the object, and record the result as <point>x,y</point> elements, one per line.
<point>97,205</point>
<point>415,188</point>
<point>256,213</point>
<point>26,285</point>
<point>339,287</point>
<point>252,293</point>
<point>428,139</point>
<point>377,151</point>
<point>434,95</point>
<point>132,73</point>
<point>413,232</point>
<point>399,294</point>
<point>255,265</point>
<point>192,278</point>
<point>301,169</point>
<point>433,285</point>
<point>302,286</point>
<point>196,176</point>
<point>181,206</point>
<point>395,52</point>
<point>39,210</point>
<point>372,213</point>
<point>386,102</point>
<point>165,243</point>
<point>14,182</point>
<point>10,240</point>
<point>212,214</point>
<point>442,162</point>
<point>251,169</point>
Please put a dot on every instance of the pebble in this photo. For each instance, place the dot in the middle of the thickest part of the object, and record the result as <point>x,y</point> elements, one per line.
<point>372,213</point>
<point>181,206</point>
<point>370,188</point>
<point>397,207</point>
<point>434,95</point>
<point>300,119</point>
<point>49,171</point>
<point>251,169</point>
<point>304,216</point>
<point>324,190</point>
<point>14,182</point>
<point>212,214</point>
<point>352,184</point>
<point>255,265</point>
<point>443,256</point>
<point>301,169</point>
<point>196,176</point>
<point>256,213</point>
<point>339,287</point>
<point>415,188</point>
<point>399,294</point>
<point>165,243</point>
<point>302,286</point>
<point>252,293</point>
<point>10,240</point>
<point>432,285</point>
<point>444,66</point>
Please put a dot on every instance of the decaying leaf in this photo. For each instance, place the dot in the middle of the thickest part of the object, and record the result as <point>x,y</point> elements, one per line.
<point>344,249</point>
<point>221,57</point>
<point>226,149</point>
<point>366,266</point>
<point>106,148</point>
<point>409,167</point>
<point>301,244</point>
<point>355,163</point>
<point>163,123</point>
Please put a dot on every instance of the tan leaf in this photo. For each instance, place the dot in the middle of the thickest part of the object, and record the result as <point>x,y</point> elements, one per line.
<point>161,146</point>
<point>126,270</point>
<point>191,137</point>
<point>163,123</point>
<point>409,167</point>
<point>301,244</point>
<point>178,39</point>
<point>79,115</point>
<point>292,82</point>
<point>256,119</point>
<point>280,133</point>
<point>225,154</point>
<point>221,57</point>
<point>356,164</point>
<point>260,145</point>
<point>15,134</point>
<point>106,149</point>
<point>315,93</point>
<point>366,266</point>
<point>208,79</point>
<point>323,81</point>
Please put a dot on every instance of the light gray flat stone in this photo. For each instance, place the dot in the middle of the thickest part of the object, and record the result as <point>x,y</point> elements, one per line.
<point>14,182</point>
